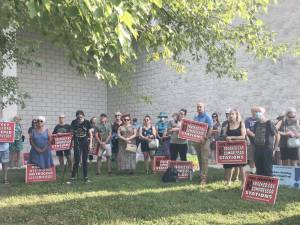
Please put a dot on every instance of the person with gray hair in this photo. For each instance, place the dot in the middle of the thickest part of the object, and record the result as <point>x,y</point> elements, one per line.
<point>40,141</point>
<point>266,140</point>
<point>288,128</point>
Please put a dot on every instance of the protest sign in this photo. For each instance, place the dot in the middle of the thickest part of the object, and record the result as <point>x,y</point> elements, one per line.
<point>36,174</point>
<point>194,160</point>
<point>192,130</point>
<point>61,142</point>
<point>233,152</point>
<point>184,168</point>
<point>160,163</point>
<point>260,189</point>
<point>94,150</point>
<point>7,132</point>
<point>25,158</point>
<point>288,175</point>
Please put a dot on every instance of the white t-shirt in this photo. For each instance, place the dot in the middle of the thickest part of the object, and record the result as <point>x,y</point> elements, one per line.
<point>3,146</point>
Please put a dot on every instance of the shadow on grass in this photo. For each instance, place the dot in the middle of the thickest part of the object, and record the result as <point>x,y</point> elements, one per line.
<point>139,204</point>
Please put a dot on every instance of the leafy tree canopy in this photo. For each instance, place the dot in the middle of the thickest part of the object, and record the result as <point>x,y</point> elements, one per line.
<point>105,37</point>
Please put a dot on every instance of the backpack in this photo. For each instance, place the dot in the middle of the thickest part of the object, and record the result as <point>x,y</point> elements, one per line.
<point>170,175</point>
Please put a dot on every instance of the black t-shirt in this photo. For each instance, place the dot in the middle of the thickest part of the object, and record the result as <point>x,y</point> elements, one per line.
<point>264,134</point>
<point>62,129</point>
<point>81,130</point>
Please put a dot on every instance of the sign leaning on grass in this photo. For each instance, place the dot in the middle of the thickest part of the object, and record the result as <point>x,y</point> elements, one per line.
<point>61,141</point>
<point>160,163</point>
<point>184,168</point>
<point>36,174</point>
<point>7,132</point>
<point>233,152</point>
<point>192,130</point>
<point>288,175</point>
<point>260,189</point>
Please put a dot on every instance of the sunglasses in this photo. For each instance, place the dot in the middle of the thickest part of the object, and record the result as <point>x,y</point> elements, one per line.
<point>214,116</point>
<point>39,121</point>
<point>118,115</point>
<point>126,119</point>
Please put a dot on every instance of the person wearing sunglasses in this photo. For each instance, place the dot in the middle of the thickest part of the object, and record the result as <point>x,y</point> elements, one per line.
<point>114,137</point>
<point>215,133</point>
<point>127,135</point>
<point>147,134</point>
<point>40,141</point>
<point>83,140</point>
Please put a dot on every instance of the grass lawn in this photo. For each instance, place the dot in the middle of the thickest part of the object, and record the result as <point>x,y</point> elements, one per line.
<point>139,199</point>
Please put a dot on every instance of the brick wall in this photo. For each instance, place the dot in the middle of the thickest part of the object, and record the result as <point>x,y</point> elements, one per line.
<point>56,88</point>
<point>271,85</point>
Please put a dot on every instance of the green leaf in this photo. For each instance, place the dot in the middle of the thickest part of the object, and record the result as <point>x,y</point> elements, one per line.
<point>31,8</point>
<point>127,19</point>
<point>158,3</point>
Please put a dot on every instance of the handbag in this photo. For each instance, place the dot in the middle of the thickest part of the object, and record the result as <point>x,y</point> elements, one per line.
<point>154,144</point>
<point>293,142</point>
<point>131,148</point>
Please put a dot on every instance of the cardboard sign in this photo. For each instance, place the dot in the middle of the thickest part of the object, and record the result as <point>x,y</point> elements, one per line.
<point>260,189</point>
<point>234,152</point>
<point>36,174</point>
<point>288,175</point>
<point>25,158</point>
<point>184,168</point>
<point>7,132</point>
<point>61,142</point>
<point>192,130</point>
<point>160,163</point>
<point>94,150</point>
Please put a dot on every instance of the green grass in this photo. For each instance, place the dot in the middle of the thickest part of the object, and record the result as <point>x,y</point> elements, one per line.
<point>140,199</point>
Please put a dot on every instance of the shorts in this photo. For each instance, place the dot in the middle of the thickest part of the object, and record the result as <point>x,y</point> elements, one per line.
<point>289,153</point>
<point>107,149</point>
<point>64,152</point>
<point>4,156</point>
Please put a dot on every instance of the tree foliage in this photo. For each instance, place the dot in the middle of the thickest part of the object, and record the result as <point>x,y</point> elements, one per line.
<point>105,37</point>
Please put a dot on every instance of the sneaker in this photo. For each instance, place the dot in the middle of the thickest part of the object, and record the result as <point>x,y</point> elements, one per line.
<point>71,181</point>
<point>86,180</point>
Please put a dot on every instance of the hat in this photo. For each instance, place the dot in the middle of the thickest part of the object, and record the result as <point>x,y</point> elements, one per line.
<point>162,115</point>
<point>228,110</point>
<point>103,115</point>
<point>61,116</point>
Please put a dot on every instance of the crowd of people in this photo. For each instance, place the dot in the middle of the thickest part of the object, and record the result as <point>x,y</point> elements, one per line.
<point>269,142</point>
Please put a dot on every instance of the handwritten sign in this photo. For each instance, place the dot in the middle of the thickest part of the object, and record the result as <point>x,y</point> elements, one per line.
<point>160,163</point>
<point>7,132</point>
<point>234,152</point>
<point>36,174</point>
<point>184,168</point>
<point>260,189</point>
<point>192,130</point>
<point>61,142</point>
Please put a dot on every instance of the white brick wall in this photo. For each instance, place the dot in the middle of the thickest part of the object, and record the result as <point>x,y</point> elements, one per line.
<point>271,85</point>
<point>56,88</point>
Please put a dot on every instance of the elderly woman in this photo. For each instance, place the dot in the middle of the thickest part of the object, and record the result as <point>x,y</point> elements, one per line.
<point>127,153</point>
<point>234,130</point>
<point>17,146</point>
<point>288,128</point>
<point>40,141</point>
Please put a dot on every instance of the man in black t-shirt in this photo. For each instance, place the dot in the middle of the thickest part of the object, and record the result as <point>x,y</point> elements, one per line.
<point>266,141</point>
<point>62,128</point>
<point>83,139</point>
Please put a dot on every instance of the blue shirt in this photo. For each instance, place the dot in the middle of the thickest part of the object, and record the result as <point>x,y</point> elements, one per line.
<point>3,146</point>
<point>204,118</point>
<point>161,126</point>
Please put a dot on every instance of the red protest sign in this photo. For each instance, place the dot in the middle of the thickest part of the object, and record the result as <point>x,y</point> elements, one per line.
<point>94,150</point>
<point>36,174</point>
<point>192,130</point>
<point>61,142</point>
<point>260,189</point>
<point>184,168</point>
<point>160,163</point>
<point>7,132</point>
<point>25,158</point>
<point>233,152</point>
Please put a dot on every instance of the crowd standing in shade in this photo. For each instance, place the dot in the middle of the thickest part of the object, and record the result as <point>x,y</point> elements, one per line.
<point>268,143</point>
